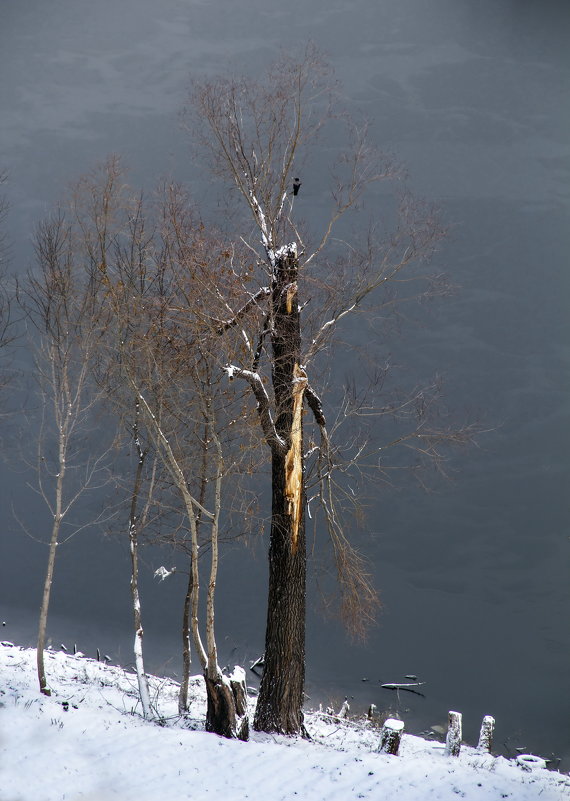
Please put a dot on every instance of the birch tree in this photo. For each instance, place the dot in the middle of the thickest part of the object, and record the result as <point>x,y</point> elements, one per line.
<point>256,133</point>
<point>6,321</point>
<point>65,322</point>
<point>153,271</point>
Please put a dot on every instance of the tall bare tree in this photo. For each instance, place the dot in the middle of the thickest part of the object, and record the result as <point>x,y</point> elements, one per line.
<point>257,133</point>
<point>65,322</point>
<point>6,321</point>
<point>154,270</point>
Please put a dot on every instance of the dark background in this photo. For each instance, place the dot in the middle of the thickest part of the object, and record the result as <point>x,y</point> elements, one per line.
<point>473,97</point>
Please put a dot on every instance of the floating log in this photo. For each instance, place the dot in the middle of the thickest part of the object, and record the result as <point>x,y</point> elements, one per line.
<point>486,734</point>
<point>454,733</point>
<point>390,736</point>
<point>402,686</point>
<point>409,688</point>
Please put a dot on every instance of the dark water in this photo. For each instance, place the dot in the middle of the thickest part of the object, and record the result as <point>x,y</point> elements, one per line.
<point>474,98</point>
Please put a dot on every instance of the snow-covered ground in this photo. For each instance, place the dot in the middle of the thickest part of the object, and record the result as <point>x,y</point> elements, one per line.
<point>88,741</point>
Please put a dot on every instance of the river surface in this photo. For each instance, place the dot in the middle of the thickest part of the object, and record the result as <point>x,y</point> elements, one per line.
<point>474,98</point>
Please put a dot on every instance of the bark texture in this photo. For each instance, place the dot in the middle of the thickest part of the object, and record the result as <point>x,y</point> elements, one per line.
<point>391,736</point>
<point>486,734</point>
<point>227,705</point>
<point>454,734</point>
<point>281,694</point>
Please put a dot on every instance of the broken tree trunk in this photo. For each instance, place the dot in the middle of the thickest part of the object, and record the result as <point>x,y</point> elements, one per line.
<point>281,693</point>
<point>486,734</point>
<point>390,736</point>
<point>227,705</point>
<point>454,734</point>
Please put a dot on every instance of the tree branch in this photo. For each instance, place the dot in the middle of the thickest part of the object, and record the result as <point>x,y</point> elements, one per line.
<point>263,405</point>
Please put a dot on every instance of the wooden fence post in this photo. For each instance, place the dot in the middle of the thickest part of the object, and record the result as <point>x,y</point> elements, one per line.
<point>486,734</point>
<point>390,736</point>
<point>454,732</point>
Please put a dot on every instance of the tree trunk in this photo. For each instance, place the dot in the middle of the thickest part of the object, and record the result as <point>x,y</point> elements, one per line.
<point>42,627</point>
<point>186,654</point>
<point>57,518</point>
<point>227,705</point>
<point>281,694</point>
<point>142,680</point>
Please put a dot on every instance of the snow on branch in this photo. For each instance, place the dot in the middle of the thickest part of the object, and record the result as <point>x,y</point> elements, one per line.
<point>263,405</point>
<point>287,251</point>
<point>224,325</point>
<point>265,237</point>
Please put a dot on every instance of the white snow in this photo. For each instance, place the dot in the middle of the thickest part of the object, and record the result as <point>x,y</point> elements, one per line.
<point>162,573</point>
<point>101,748</point>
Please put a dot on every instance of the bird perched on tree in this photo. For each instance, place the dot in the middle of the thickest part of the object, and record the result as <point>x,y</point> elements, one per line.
<point>296,186</point>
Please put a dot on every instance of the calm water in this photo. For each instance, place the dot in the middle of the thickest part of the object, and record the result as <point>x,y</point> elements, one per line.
<point>474,98</point>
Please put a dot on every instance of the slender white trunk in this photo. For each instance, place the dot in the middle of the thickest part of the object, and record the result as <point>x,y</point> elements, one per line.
<point>42,627</point>
<point>133,538</point>
<point>138,643</point>
<point>57,518</point>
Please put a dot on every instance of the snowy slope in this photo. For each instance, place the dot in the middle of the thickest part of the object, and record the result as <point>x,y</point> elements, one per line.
<point>100,748</point>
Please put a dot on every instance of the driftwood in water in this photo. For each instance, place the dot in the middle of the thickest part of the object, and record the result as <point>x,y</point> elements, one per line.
<point>454,733</point>
<point>409,688</point>
<point>486,734</point>
<point>390,736</point>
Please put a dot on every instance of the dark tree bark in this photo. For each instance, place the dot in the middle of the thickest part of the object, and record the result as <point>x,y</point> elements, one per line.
<point>227,705</point>
<point>142,453</point>
<point>280,701</point>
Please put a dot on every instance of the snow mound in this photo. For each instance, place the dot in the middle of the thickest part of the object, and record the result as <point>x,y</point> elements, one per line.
<point>88,741</point>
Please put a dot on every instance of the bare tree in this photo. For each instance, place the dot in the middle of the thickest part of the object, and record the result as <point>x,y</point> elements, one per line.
<point>6,321</point>
<point>256,133</point>
<point>153,270</point>
<point>64,317</point>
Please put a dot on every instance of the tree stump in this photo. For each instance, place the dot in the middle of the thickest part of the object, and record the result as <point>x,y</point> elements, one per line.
<point>486,734</point>
<point>390,736</point>
<point>227,705</point>
<point>454,733</point>
<point>344,710</point>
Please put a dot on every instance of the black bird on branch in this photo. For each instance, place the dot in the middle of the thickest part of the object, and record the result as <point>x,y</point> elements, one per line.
<point>296,186</point>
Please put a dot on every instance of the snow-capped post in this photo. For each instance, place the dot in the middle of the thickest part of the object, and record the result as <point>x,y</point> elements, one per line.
<point>486,734</point>
<point>454,734</point>
<point>390,736</point>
